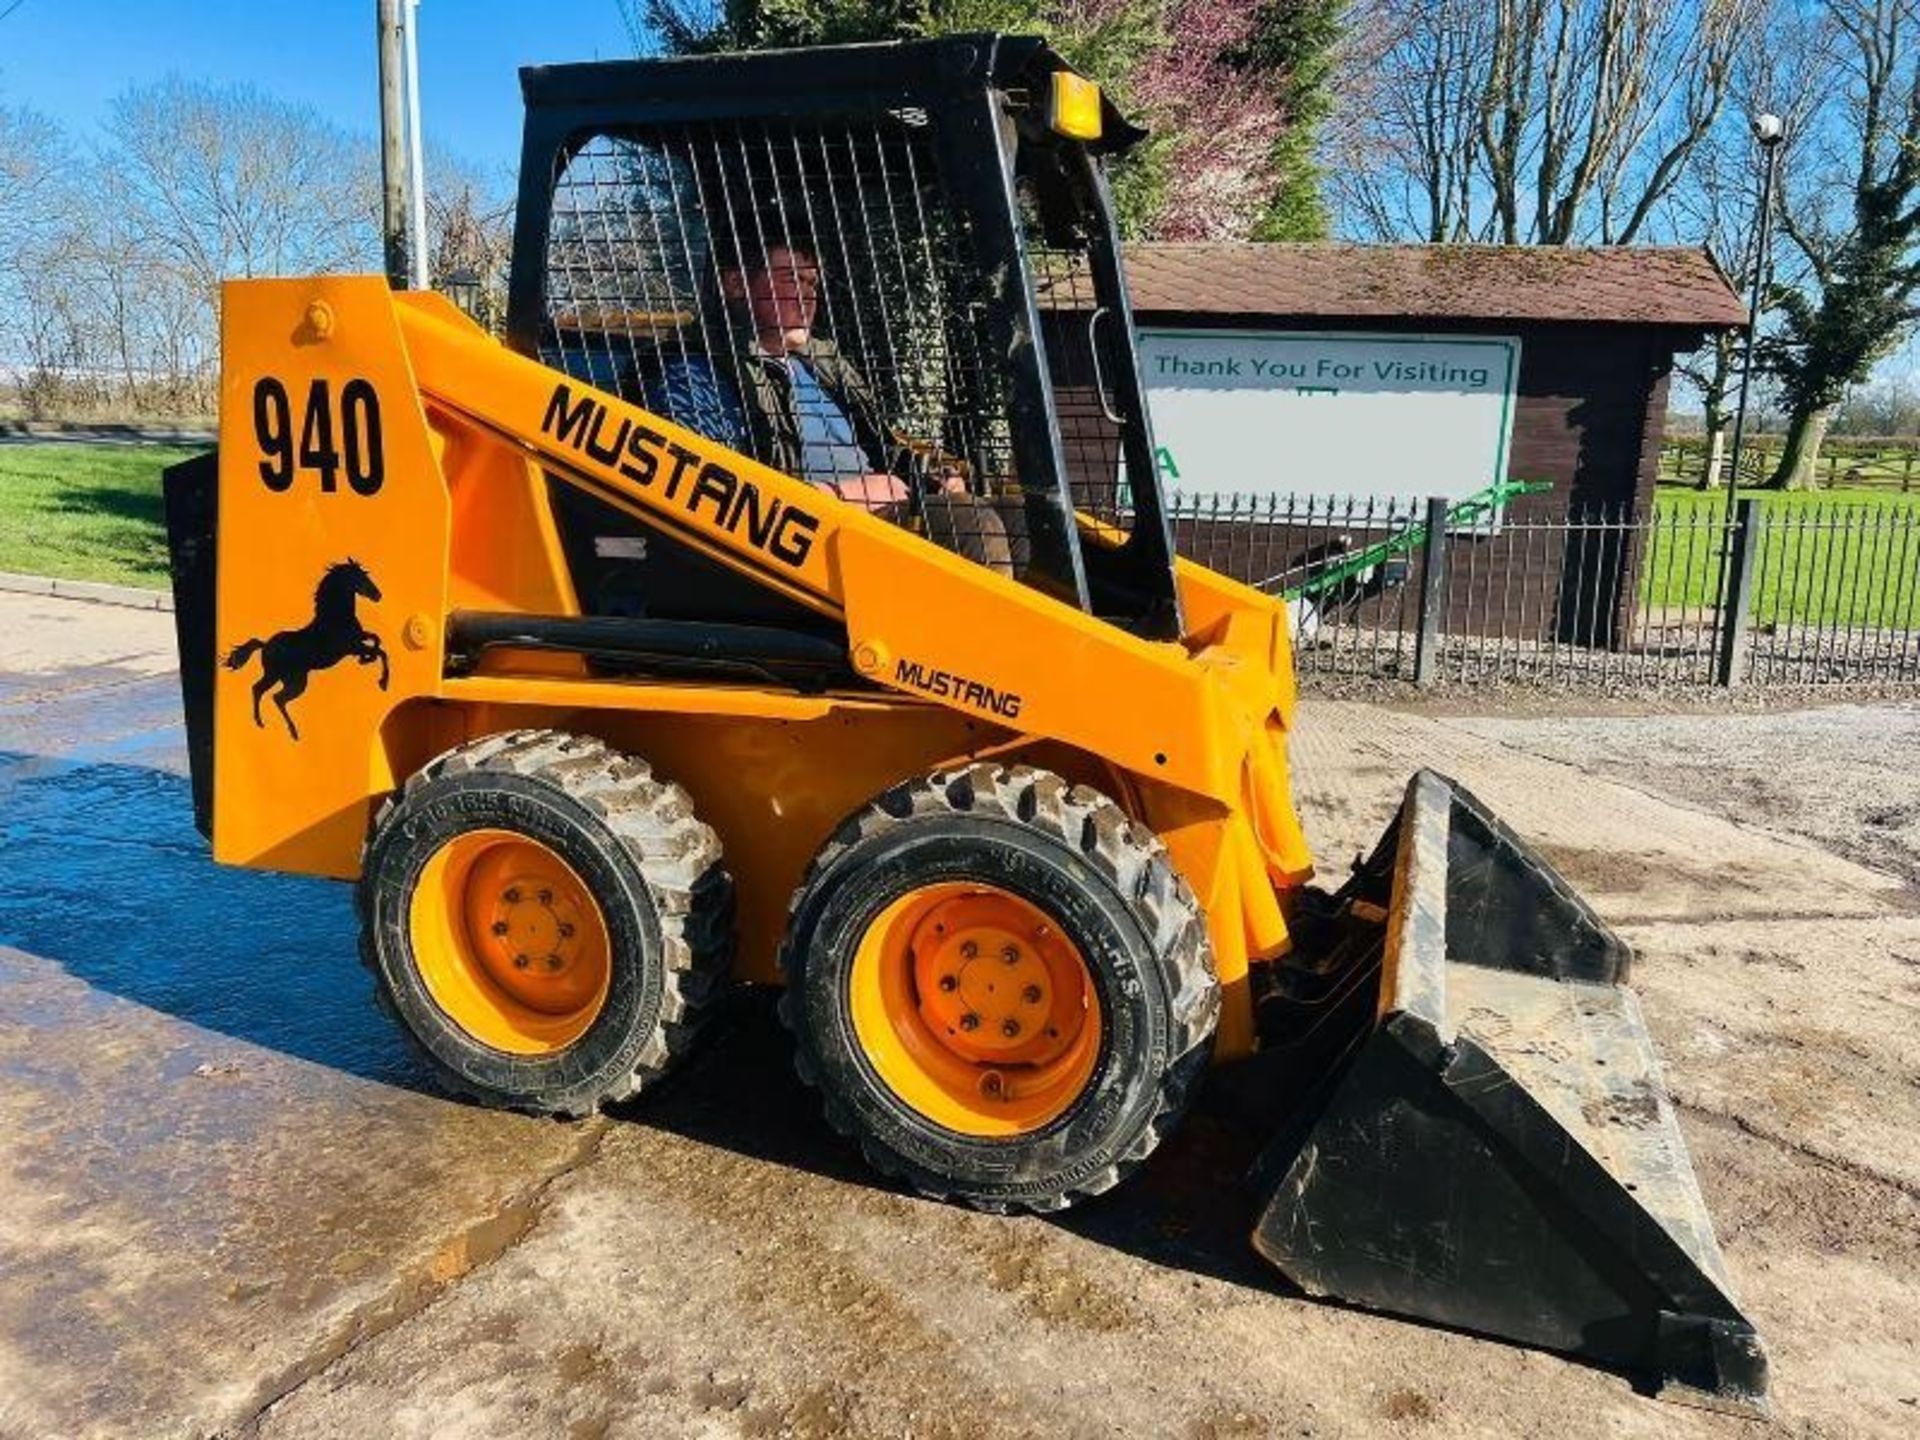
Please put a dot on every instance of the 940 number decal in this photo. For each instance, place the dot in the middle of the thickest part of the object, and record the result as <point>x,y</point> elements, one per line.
<point>336,437</point>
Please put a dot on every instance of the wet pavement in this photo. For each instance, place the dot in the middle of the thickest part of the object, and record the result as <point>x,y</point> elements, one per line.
<point>218,1162</point>
<point>229,1203</point>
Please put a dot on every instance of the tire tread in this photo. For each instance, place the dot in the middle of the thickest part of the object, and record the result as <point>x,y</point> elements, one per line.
<point>676,853</point>
<point>1129,856</point>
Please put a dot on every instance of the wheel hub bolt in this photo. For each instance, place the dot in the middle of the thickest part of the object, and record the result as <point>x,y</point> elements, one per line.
<point>1010,954</point>
<point>990,1083</point>
<point>499,927</point>
<point>520,962</point>
<point>513,896</point>
<point>968,949</point>
<point>554,962</point>
<point>566,930</point>
<point>1010,1028</point>
<point>546,897</point>
<point>969,1021</point>
<point>1031,994</point>
<point>949,983</point>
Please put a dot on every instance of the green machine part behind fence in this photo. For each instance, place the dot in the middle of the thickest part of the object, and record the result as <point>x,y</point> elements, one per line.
<point>1460,513</point>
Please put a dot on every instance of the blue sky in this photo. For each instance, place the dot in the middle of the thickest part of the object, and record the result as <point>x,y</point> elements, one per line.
<point>68,58</point>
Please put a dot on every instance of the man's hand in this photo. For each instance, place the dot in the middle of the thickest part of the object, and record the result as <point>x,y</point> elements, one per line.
<point>871,490</point>
<point>949,480</point>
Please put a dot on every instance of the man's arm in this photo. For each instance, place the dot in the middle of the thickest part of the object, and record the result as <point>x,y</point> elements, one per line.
<point>880,486</point>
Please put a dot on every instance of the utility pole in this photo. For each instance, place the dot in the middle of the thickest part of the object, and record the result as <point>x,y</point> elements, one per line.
<point>416,167</point>
<point>393,159</point>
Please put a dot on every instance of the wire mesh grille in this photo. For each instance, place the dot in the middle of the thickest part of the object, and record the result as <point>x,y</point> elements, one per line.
<point>801,291</point>
<point>1076,330</point>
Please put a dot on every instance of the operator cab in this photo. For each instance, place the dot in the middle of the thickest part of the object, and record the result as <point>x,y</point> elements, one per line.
<point>889,269</point>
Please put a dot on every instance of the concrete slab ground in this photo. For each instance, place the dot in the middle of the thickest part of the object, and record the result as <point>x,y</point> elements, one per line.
<point>228,1203</point>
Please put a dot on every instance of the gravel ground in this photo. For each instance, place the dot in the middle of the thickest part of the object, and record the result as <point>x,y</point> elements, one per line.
<point>1845,776</point>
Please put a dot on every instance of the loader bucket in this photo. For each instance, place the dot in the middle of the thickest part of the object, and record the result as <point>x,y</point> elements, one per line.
<point>1499,1154</point>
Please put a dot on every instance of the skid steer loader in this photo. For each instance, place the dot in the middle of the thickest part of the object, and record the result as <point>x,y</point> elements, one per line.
<point>791,601</point>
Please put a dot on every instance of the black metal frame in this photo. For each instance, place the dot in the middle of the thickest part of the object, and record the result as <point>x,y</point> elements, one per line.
<point>191,490</point>
<point>660,648</point>
<point>986,96</point>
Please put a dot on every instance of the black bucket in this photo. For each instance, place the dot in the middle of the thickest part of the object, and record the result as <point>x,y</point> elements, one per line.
<point>1500,1154</point>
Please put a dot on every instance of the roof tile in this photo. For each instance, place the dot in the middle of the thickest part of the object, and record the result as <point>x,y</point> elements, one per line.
<point>1640,284</point>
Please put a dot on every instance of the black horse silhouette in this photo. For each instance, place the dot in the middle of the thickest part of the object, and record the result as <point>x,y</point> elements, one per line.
<point>334,633</point>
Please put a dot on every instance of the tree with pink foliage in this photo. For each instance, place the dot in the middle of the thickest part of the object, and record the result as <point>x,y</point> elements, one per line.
<point>1232,91</point>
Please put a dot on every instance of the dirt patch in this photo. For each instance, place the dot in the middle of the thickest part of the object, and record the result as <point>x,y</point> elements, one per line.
<point>1018,1263</point>
<point>1407,1405</point>
<point>1842,775</point>
<point>578,1364</point>
<point>1607,871</point>
<point>824,1412</point>
<point>1226,1424</point>
<point>1750,956</point>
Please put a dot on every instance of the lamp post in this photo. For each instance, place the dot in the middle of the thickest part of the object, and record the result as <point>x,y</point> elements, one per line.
<point>463,288</point>
<point>1769,130</point>
<point>1737,549</point>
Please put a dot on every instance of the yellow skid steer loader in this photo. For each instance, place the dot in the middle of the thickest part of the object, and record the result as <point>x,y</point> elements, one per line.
<point>791,601</point>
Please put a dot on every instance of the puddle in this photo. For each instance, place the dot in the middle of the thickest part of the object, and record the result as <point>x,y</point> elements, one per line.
<point>107,878</point>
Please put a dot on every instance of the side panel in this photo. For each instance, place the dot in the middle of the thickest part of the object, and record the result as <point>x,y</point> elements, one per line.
<point>332,566</point>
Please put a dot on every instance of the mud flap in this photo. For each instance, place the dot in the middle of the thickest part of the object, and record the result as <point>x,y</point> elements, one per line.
<point>1500,1154</point>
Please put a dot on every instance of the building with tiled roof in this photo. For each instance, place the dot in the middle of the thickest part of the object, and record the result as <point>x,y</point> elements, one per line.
<point>1583,338</point>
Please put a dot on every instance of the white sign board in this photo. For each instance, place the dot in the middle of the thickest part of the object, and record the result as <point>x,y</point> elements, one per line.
<point>1275,413</point>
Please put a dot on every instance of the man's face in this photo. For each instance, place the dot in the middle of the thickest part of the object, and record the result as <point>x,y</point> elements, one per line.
<point>781,295</point>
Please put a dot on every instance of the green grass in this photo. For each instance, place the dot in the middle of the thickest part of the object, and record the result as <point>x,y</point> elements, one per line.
<point>1836,557</point>
<point>85,512</point>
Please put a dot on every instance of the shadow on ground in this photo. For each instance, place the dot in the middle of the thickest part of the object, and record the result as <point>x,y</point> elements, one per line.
<point>108,879</point>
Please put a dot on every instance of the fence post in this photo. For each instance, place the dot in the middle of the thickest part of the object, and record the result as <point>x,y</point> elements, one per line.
<point>1738,610</point>
<point>1433,594</point>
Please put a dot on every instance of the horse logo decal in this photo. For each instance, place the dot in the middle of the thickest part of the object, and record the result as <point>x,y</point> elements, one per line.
<point>334,633</point>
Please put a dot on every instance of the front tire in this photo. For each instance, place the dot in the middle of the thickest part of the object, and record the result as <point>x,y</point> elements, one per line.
<point>1001,986</point>
<point>547,919</point>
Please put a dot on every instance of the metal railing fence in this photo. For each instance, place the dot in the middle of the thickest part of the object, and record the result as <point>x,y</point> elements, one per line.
<point>1579,596</point>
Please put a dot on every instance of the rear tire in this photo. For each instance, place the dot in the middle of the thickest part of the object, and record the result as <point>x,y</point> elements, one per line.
<point>547,920</point>
<point>1010,861</point>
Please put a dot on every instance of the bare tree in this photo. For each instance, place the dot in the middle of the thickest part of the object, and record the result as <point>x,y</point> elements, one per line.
<point>1546,122</point>
<point>34,156</point>
<point>469,236</point>
<point>194,184</point>
<point>1851,213</point>
<point>227,181</point>
<point>111,255</point>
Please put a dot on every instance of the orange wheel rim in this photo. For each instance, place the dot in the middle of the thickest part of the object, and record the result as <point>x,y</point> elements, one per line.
<point>975,1010</point>
<point>510,943</point>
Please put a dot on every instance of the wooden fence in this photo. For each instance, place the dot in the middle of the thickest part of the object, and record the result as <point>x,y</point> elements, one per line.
<point>1854,463</point>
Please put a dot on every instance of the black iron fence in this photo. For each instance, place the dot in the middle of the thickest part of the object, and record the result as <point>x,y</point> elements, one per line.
<point>1781,592</point>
